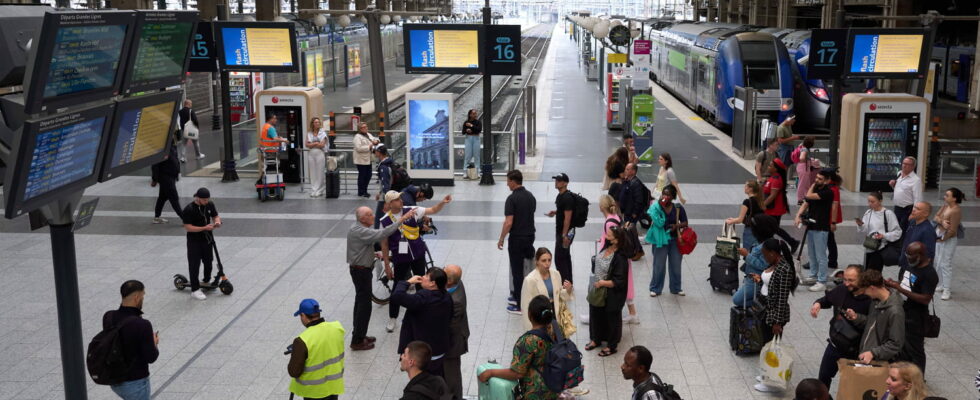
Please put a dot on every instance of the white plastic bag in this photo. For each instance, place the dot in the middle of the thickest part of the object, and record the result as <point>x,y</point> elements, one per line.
<point>776,363</point>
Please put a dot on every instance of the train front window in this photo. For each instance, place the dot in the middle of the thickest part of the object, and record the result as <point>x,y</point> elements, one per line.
<point>761,77</point>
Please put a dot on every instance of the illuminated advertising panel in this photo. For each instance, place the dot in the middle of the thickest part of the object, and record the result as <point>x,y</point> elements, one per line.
<point>890,53</point>
<point>141,132</point>
<point>435,48</point>
<point>256,46</point>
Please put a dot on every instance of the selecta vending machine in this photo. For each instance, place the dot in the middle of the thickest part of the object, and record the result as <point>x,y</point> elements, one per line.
<point>877,131</point>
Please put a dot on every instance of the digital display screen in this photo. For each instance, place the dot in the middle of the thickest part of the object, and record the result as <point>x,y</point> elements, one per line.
<point>84,58</point>
<point>256,47</point>
<point>162,43</point>
<point>443,48</point>
<point>66,150</point>
<point>886,53</point>
<point>141,130</point>
<point>142,133</point>
<point>429,133</point>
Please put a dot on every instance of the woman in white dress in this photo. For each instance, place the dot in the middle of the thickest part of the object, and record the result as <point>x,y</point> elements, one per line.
<point>316,142</point>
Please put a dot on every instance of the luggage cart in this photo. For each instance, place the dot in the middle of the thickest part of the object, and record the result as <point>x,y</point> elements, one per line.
<point>270,184</point>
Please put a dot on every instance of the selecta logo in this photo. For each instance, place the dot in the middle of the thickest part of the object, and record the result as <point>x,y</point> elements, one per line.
<point>872,107</point>
<point>275,100</point>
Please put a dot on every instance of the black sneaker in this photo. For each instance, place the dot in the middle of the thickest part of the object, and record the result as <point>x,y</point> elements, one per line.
<point>806,265</point>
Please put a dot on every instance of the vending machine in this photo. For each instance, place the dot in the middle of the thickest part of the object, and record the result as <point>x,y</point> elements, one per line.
<point>294,107</point>
<point>877,131</point>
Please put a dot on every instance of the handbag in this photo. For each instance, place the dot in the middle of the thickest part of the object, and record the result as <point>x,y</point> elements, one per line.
<point>190,130</point>
<point>870,242</point>
<point>597,295</point>
<point>932,325</point>
<point>687,239</point>
<point>844,336</point>
<point>726,245</point>
<point>892,251</point>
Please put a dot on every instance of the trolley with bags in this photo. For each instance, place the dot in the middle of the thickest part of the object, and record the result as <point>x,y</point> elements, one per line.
<point>270,184</point>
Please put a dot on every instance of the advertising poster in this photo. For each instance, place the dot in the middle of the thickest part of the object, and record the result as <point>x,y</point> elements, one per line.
<point>642,126</point>
<point>886,53</point>
<point>321,80</point>
<point>309,68</point>
<point>353,64</point>
<point>429,140</point>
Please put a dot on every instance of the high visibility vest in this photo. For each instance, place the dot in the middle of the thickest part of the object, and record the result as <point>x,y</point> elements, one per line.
<point>264,139</point>
<point>323,373</point>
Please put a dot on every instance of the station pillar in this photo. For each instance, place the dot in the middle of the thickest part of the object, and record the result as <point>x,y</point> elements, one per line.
<point>266,10</point>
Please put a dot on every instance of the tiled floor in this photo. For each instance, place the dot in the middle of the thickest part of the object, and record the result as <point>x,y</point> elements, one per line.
<point>277,253</point>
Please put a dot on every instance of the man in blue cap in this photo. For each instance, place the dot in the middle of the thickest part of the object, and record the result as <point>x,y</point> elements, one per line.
<point>317,360</point>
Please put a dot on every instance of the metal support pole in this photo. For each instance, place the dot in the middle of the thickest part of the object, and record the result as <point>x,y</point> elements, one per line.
<point>69,312</point>
<point>228,155</point>
<point>836,101</point>
<point>487,178</point>
<point>378,83</point>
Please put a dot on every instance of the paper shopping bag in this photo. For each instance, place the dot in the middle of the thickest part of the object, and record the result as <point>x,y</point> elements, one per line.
<point>861,381</point>
<point>776,363</point>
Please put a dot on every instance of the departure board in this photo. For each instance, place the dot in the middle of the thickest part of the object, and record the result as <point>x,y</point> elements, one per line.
<point>84,58</point>
<point>256,46</point>
<point>54,157</point>
<point>140,133</point>
<point>163,40</point>
<point>79,57</point>
<point>66,150</point>
<point>443,48</point>
<point>887,53</point>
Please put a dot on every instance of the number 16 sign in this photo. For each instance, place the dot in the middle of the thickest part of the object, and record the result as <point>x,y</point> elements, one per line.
<point>503,49</point>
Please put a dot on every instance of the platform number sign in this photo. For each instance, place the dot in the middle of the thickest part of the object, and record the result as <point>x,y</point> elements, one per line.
<point>828,50</point>
<point>503,49</point>
<point>202,50</point>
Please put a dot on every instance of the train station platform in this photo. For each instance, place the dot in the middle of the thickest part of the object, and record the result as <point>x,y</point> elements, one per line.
<point>278,253</point>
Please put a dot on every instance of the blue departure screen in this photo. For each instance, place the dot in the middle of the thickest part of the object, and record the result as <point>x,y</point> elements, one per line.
<point>62,155</point>
<point>84,58</point>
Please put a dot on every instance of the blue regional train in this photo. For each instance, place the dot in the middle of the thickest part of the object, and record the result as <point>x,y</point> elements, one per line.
<point>702,63</point>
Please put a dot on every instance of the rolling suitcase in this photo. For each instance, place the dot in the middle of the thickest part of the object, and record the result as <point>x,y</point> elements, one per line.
<point>745,329</point>
<point>723,274</point>
<point>332,185</point>
<point>495,388</point>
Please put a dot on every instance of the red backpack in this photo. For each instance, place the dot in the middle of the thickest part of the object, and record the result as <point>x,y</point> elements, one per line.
<point>795,155</point>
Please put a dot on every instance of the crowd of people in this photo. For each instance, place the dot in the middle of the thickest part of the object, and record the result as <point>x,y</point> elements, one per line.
<point>875,318</point>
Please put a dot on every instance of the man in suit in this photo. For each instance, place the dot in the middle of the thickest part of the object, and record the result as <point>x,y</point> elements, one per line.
<point>428,313</point>
<point>187,114</point>
<point>459,331</point>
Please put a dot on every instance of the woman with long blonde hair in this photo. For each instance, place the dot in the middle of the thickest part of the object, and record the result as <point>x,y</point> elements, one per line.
<point>905,382</point>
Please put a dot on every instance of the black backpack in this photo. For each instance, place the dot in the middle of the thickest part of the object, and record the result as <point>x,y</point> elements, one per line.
<point>580,214</point>
<point>399,177</point>
<point>563,363</point>
<point>106,358</point>
<point>665,390</point>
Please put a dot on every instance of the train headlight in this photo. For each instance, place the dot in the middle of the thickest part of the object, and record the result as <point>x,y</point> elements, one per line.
<point>819,93</point>
<point>786,104</point>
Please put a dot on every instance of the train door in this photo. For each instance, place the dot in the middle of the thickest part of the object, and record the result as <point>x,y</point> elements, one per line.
<point>703,83</point>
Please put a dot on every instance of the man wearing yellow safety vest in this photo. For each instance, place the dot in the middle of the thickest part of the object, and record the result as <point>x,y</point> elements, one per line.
<point>405,247</point>
<point>268,138</point>
<point>317,360</point>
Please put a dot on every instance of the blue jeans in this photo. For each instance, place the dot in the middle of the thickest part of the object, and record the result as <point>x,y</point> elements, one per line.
<point>133,390</point>
<point>816,246</point>
<point>748,239</point>
<point>472,151</point>
<point>745,295</point>
<point>666,259</point>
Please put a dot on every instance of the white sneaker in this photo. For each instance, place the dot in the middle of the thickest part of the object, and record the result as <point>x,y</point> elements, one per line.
<point>182,159</point>
<point>945,295</point>
<point>159,220</point>
<point>390,327</point>
<point>762,387</point>
<point>198,294</point>
<point>817,287</point>
<point>200,156</point>
<point>758,378</point>
<point>584,318</point>
<point>631,319</point>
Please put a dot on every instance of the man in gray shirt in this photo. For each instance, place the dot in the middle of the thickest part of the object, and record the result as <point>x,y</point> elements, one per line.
<point>360,255</point>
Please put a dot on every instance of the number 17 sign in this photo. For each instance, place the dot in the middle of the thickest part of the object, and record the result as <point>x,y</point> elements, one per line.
<point>503,49</point>
<point>827,50</point>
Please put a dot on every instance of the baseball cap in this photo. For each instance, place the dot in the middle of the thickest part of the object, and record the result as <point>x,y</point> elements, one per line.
<point>392,195</point>
<point>307,307</point>
<point>203,193</point>
<point>561,177</point>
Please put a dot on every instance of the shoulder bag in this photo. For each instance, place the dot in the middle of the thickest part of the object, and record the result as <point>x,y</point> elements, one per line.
<point>892,251</point>
<point>932,325</point>
<point>597,295</point>
<point>190,130</point>
<point>726,245</point>
<point>870,242</point>
<point>687,239</point>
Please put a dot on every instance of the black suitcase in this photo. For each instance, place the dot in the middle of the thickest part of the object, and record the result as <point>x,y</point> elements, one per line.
<point>745,330</point>
<point>332,185</point>
<point>723,274</point>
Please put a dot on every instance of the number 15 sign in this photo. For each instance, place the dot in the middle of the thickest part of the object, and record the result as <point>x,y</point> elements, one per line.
<point>503,49</point>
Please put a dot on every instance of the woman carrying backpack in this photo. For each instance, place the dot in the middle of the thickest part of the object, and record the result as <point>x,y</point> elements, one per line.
<point>806,167</point>
<point>529,353</point>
